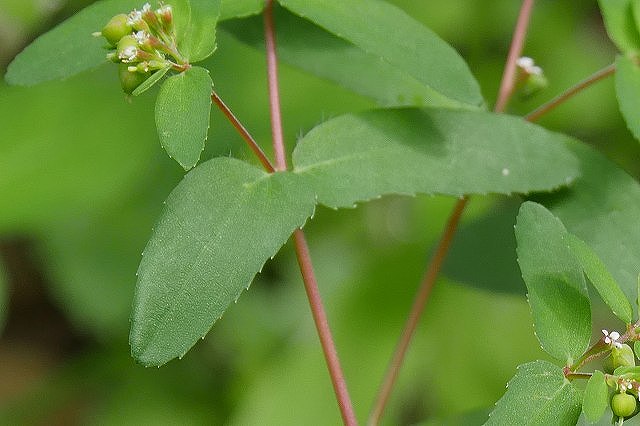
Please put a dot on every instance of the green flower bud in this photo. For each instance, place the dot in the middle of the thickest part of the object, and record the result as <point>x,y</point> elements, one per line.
<point>623,356</point>
<point>116,28</point>
<point>534,84</point>
<point>130,80</point>
<point>623,404</point>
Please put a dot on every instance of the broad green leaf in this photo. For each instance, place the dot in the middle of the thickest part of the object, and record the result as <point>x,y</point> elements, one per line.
<point>148,83</point>
<point>199,36</point>
<point>387,32</point>
<point>182,115</point>
<point>602,208</point>
<point>219,227</point>
<point>70,48</point>
<point>636,348</point>
<point>620,24</point>
<point>628,92</point>
<point>358,157</point>
<point>309,47</point>
<point>538,394</point>
<point>601,278</point>
<point>557,291</point>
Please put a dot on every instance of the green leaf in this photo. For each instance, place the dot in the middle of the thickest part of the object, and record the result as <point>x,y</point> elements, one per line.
<point>358,157</point>
<point>627,80</point>
<point>602,208</point>
<point>148,83</point>
<point>219,226</point>
<point>636,348</point>
<point>309,47</point>
<point>387,32</point>
<point>538,394</point>
<point>557,290</point>
<point>601,278</point>
<point>70,49</point>
<point>182,115</point>
<point>596,397</point>
<point>198,39</point>
<point>620,24</point>
<point>240,8</point>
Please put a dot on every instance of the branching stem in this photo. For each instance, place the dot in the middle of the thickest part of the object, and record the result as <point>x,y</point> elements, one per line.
<point>424,291</point>
<point>302,249</point>
<point>569,93</point>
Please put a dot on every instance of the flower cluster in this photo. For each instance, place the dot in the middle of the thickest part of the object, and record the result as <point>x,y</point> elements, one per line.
<point>142,42</point>
<point>612,338</point>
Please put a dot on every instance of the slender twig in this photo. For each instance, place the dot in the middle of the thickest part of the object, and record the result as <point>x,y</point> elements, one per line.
<point>424,290</point>
<point>274,91</point>
<point>251,142</point>
<point>569,93</point>
<point>322,326</point>
<point>517,41</point>
<point>302,249</point>
<point>416,311</point>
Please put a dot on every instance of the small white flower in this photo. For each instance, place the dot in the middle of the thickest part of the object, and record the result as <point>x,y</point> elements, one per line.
<point>134,17</point>
<point>141,36</point>
<point>164,9</point>
<point>128,54</point>
<point>612,338</point>
<point>146,7</point>
<point>525,62</point>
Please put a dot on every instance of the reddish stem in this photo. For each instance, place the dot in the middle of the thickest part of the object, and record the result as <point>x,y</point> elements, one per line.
<point>253,145</point>
<point>302,250</point>
<point>569,93</point>
<point>274,90</point>
<point>322,326</point>
<point>509,76</point>
<point>506,90</point>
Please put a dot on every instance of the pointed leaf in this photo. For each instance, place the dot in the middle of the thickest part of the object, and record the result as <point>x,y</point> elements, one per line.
<point>601,278</point>
<point>219,226</point>
<point>620,24</point>
<point>387,32</point>
<point>602,208</point>
<point>596,397</point>
<point>358,157</point>
<point>628,92</point>
<point>309,47</point>
<point>199,36</point>
<point>182,115</point>
<point>538,394</point>
<point>148,83</point>
<point>557,291</point>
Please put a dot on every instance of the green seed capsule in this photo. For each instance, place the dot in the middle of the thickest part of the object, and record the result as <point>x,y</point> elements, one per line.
<point>623,404</point>
<point>130,80</point>
<point>623,356</point>
<point>116,28</point>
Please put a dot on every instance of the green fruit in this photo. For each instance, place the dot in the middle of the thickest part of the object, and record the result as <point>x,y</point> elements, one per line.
<point>127,49</point>
<point>116,28</point>
<point>623,356</point>
<point>623,404</point>
<point>130,80</point>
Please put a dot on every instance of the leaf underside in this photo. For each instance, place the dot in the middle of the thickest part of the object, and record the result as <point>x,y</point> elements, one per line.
<point>385,31</point>
<point>538,395</point>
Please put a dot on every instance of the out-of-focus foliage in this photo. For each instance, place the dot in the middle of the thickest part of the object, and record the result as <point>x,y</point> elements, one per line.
<point>87,211</point>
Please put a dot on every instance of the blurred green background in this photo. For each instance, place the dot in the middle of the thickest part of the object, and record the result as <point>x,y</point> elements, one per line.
<point>82,180</point>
